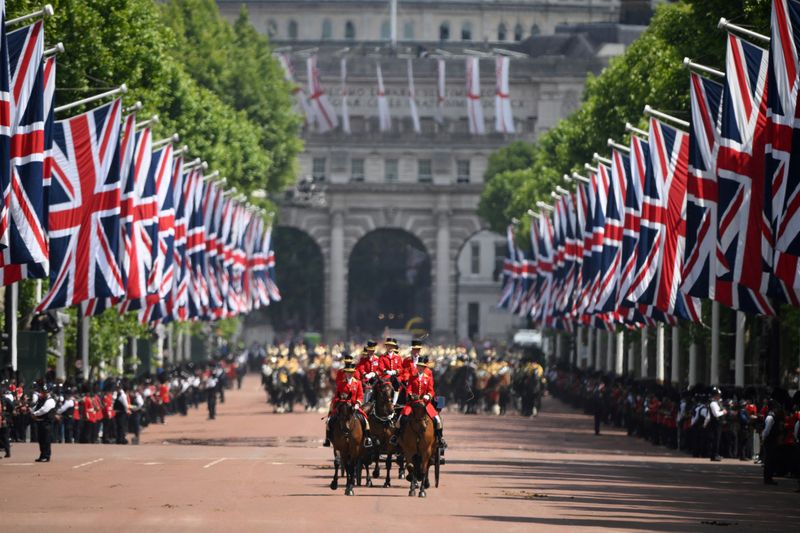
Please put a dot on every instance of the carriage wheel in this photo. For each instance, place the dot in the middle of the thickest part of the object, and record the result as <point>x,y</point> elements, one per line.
<point>436,462</point>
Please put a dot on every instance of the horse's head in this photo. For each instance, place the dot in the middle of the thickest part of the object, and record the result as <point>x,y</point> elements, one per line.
<point>344,412</point>
<point>420,413</point>
<point>384,393</point>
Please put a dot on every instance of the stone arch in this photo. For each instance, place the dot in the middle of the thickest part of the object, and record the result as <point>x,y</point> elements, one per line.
<point>301,265</point>
<point>389,283</point>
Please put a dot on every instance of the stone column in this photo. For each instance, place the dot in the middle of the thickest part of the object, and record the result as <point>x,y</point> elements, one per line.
<point>675,376</point>
<point>660,362</point>
<point>692,364</point>
<point>618,362</point>
<point>714,365</point>
<point>442,288</point>
<point>741,324</point>
<point>643,370</point>
<point>337,312</point>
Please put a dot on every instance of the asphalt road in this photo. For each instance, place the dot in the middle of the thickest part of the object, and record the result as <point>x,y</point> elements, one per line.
<point>252,470</point>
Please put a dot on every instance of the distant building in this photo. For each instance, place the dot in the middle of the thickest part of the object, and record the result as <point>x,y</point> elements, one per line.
<point>419,192</point>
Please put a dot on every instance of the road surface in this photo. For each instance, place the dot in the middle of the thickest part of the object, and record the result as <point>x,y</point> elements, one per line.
<point>252,470</point>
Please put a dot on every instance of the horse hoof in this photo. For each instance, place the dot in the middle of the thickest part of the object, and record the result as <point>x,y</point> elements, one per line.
<point>349,492</point>
<point>334,485</point>
<point>387,484</point>
<point>376,473</point>
<point>422,494</point>
<point>412,493</point>
<point>369,483</point>
<point>427,484</point>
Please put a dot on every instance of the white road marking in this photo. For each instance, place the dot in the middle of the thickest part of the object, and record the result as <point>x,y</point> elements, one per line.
<point>212,463</point>
<point>151,464</point>
<point>87,464</point>
<point>17,464</point>
<point>277,463</point>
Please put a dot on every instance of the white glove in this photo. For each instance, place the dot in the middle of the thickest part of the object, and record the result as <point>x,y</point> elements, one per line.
<point>427,397</point>
<point>357,405</point>
<point>391,372</point>
<point>370,375</point>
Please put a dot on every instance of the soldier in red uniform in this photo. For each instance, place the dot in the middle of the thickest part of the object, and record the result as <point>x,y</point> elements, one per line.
<point>391,362</point>
<point>369,367</point>
<point>420,388</point>
<point>410,362</point>
<point>349,391</point>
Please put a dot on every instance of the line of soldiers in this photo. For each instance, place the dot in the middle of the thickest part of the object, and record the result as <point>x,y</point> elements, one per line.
<point>478,379</point>
<point>709,422</point>
<point>411,378</point>
<point>110,410</point>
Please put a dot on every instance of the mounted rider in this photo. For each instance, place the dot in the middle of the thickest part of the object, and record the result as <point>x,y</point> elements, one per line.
<point>391,362</point>
<point>349,391</point>
<point>369,367</point>
<point>420,388</point>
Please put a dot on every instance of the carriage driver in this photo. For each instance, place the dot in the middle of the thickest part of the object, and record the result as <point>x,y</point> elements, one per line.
<point>420,386</point>
<point>349,391</point>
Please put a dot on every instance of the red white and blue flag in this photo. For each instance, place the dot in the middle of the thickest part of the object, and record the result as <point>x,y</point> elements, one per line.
<point>84,209</point>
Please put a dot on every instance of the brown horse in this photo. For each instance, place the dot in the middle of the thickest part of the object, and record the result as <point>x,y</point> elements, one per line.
<point>418,443</point>
<point>347,437</point>
<point>381,424</point>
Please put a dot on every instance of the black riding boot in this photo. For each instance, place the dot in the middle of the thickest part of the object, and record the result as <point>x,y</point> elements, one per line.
<point>438,433</point>
<point>367,439</point>
<point>327,442</point>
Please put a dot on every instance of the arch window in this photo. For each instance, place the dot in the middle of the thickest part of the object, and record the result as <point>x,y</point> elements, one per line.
<point>501,32</point>
<point>466,31</point>
<point>518,32</point>
<point>408,30</point>
<point>386,31</point>
<point>535,30</point>
<point>349,30</point>
<point>292,31</point>
<point>272,29</point>
<point>444,31</point>
<point>327,29</point>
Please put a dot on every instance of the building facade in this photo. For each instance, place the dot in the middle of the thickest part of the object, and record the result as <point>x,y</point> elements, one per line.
<point>424,186</point>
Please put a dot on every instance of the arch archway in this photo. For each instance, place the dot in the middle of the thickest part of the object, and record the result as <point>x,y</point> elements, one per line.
<point>299,272</point>
<point>389,283</point>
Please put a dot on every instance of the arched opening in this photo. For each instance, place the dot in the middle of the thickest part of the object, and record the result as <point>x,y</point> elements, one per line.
<point>535,30</point>
<point>444,31</point>
<point>408,30</point>
<point>327,29</point>
<point>501,32</point>
<point>389,284</point>
<point>349,30</point>
<point>292,30</point>
<point>518,32</point>
<point>479,263</point>
<point>299,272</point>
<point>466,31</point>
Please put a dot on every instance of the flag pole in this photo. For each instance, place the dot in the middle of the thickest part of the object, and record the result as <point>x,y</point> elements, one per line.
<point>145,123</point>
<point>11,305</point>
<point>697,67</point>
<point>122,89</point>
<point>723,24</point>
<point>714,373</point>
<point>161,142</point>
<point>630,128</point>
<point>617,146</point>
<point>45,12</point>
<point>663,116</point>
<point>57,49</point>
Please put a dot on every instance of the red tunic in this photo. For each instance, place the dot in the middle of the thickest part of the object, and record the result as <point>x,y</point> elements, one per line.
<point>391,362</point>
<point>369,364</point>
<point>420,385</point>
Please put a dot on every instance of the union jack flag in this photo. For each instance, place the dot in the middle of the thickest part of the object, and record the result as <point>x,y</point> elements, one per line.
<point>700,255</point>
<point>783,139</point>
<point>743,231</point>
<point>178,300</point>
<point>543,310</point>
<point>195,249</point>
<point>84,209</point>
<point>24,197</point>
<point>611,259</point>
<point>663,225</point>
<point>5,126</point>
<point>509,270</point>
<point>272,286</point>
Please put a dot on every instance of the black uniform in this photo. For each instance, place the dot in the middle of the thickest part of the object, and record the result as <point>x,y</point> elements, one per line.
<point>44,411</point>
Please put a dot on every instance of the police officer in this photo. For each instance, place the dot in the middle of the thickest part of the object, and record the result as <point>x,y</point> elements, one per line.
<point>715,422</point>
<point>43,415</point>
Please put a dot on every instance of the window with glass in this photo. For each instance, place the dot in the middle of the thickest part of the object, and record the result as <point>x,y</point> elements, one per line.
<point>408,30</point>
<point>349,30</point>
<point>327,29</point>
<point>386,31</point>
<point>475,258</point>
<point>356,170</point>
<point>535,30</point>
<point>292,31</point>
<point>518,32</point>
<point>318,168</point>
<point>424,170</point>
<point>391,170</point>
<point>501,32</point>
<point>462,171</point>
<point>444,31</point>
<point>466,31</point>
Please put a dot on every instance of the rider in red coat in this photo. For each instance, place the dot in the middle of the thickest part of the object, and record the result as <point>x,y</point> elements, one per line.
<point>391,362</point>
<point>369,367</point>
<point>420,388</point>
<point>349,391</point>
